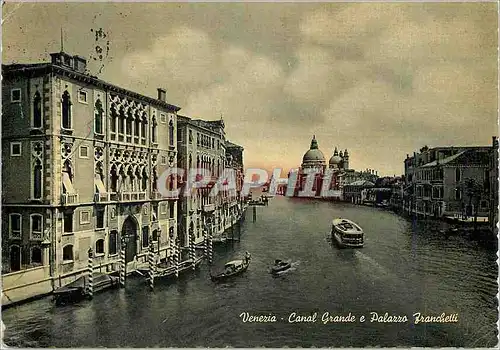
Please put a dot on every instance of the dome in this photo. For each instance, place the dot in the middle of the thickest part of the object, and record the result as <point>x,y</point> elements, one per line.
<point>335,160</point>
<point>313,155</point>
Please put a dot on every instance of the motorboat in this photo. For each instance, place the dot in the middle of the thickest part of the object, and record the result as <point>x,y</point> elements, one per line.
<point>280,265</point>
<point>347,234</point>
<point>77,290</point>
<point>231,269</point>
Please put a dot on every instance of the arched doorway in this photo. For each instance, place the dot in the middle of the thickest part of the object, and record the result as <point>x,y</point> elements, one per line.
<point>130,230</point>
<point>15,258</point>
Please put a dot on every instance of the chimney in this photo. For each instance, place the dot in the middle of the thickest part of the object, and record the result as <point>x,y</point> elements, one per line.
<point>162,95</point>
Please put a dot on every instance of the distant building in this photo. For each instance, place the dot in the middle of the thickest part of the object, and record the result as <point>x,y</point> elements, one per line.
<point>314,161</point>
<point>436,181</point>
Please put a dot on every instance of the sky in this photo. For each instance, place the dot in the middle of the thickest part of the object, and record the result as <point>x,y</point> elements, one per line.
<point>379,79</point>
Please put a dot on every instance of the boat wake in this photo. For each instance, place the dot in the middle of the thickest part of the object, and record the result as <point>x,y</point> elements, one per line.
<point>373,263</point>
<point>293,267</point>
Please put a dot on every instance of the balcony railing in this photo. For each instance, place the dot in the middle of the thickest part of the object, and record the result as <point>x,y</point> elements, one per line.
<point>38,236</point>
<point>102,197</point>
<point>69,198</point>
<point>207,208</point>
<point>128,196</point>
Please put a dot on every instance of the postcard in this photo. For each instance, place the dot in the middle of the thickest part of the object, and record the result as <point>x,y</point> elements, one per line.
<point>245,175</point>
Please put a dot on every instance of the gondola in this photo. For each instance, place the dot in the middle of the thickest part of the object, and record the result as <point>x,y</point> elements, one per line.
<point>280,265</point>
<point>76,290</point>
<point>231,269</point>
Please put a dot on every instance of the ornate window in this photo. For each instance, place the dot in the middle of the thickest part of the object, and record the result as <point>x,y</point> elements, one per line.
<point>458,174</point>
<point>121,121</point>
<point>37,180</point>
<point>171,132</point>
<point>145,236</point>
<point>190,136</point>
<point>153,130</point>
<point>114,179</point>
<point>100,218</point>
<point>37,111</point>
<point>36,226</point>
<point>98,116</point>
<point>113,242</point>
<point>68,222</point>
<point>15,225</point>
<point>113,120</point>
<point>66,110</point>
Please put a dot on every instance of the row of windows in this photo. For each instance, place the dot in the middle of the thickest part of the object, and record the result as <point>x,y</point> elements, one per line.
<point>204,141</point>
<point>15,253</point>
<point>36,226</point>
<point>67,122</point>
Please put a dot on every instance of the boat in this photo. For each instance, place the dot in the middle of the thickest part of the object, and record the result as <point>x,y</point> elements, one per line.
<point>231,268</point>
<point>77,290</point>
<point>280,265</point>
<point>347,234</point>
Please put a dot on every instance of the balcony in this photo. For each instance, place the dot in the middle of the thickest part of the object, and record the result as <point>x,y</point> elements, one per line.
<point>208,208</point>
<point>128,196</point>
<point>102,197</point>
<point>69,198</point>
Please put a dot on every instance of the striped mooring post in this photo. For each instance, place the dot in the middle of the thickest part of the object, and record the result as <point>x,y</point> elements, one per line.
<point>122,266</point>
<point>176,259</point>
<point>151,265</point>
<point>192,250</point>
<point>205,245</point>
<point>210,249</point>
<point>90,272</point>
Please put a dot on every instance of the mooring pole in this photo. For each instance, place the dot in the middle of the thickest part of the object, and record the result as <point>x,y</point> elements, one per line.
<point>254,213</point>
<point>123,265</point>
<point>90,268</point>
<point>151,264</point>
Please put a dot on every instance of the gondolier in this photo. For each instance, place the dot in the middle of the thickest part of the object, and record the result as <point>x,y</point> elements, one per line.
<point>247,257</point>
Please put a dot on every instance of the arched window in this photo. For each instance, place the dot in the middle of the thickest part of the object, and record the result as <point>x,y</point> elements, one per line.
<point>15,258</point>
<point>144,129</point>
<point>113,242</point>
<point>144,180</point>
<point>113,120</point>
<point>137,126</point>
<point>121,121</point>
<point>153,129</point>
<point>457,174</point>
<point>98,112</point>
<point>37,110</point>
<point>36,255</point>
<point>154,179</point>
<point>129,121</point>
<point>145,236</point>
<point>37,180</point>
<point>99,246</point>
<point>114,179</point>
<point>171,132</point>
<point>66,110</point>
<point>68,253</point>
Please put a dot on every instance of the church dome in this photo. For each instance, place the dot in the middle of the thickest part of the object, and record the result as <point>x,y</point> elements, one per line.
<point>335,160</point>
<point>313,155</point>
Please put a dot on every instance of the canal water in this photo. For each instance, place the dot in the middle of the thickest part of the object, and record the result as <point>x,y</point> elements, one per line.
<point>404,268</point>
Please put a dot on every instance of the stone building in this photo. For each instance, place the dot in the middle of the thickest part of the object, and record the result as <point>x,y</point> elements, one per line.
<point>81,160</point>
<point>202,145</point>
<point>436,182</point>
